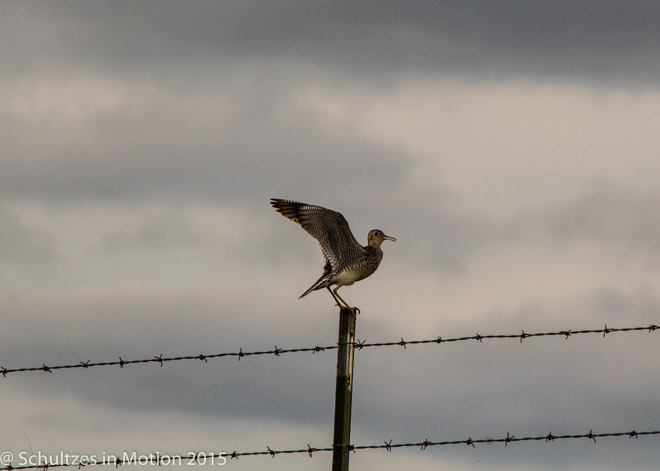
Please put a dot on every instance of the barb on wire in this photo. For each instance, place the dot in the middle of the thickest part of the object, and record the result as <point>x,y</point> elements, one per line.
<point>191,457</point>
<point>358,344</point>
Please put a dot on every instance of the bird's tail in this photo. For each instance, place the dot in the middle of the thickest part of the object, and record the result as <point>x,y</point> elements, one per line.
<point>320,284</point>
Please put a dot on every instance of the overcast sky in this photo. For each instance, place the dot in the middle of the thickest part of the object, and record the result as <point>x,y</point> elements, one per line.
<point>511,147</point>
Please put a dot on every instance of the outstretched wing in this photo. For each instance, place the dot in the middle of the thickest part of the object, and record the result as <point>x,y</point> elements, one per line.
<point>328,227</point>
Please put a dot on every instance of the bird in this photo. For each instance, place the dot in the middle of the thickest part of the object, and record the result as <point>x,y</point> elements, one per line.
<point>346,261</point>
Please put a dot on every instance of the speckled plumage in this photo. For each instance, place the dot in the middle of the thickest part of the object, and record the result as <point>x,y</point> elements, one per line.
<point>346,261</point>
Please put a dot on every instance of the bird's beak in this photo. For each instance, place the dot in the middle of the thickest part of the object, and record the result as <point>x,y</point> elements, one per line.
<point>386,237</point>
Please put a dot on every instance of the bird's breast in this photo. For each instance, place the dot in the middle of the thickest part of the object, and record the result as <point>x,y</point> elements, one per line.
<point>356,272</point>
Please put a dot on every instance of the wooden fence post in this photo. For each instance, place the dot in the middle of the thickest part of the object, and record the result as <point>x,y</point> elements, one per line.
<point>343,391</point>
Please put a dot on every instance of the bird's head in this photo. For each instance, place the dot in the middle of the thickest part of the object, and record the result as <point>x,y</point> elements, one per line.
<point>376,237</point>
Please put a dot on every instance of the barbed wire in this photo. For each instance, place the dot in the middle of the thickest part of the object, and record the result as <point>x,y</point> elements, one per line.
<point>160,458</point>
<point>276,351</point>
<point>522,336</point>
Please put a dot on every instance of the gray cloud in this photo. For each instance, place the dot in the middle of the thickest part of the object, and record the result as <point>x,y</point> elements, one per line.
<point>554,384</point>
<point>246,146</point>
<point>21,245</point>
<point>141,145</point>
<point>618,219</point>
<point>134,323</point>
<point>621,221</point>
<point>438,391</point>
<point>158,232</point>
<point>437,235</point>
<point>595,40</point>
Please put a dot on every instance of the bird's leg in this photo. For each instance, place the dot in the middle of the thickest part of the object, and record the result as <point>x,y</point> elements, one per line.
<point>339,304</point>
<point>354,310</point>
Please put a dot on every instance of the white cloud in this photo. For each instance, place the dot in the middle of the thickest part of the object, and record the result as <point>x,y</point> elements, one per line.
<point>491,143</point>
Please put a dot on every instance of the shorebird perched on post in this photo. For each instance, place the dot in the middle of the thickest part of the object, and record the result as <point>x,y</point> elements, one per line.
<point>346,261</point>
